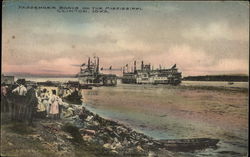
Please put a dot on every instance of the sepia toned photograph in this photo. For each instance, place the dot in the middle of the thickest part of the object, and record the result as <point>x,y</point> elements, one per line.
<point>124,78</point>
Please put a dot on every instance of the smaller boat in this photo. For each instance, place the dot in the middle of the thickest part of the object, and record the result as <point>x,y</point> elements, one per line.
<point>74,98</point>
<point>187,144</point>
<point>230,83</point>
<point>76,84</point>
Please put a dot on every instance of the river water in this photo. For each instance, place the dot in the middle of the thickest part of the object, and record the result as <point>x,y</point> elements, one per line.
<point>174,112</point>
<point>166,112</point>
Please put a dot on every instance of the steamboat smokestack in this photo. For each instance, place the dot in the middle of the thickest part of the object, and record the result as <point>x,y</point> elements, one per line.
<point>134,66</point>
<point>97,67</point>
<point>88,62</point>
<point>142,65</point>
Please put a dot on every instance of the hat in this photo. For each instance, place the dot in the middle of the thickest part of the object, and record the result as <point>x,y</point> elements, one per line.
<point>21,81</point>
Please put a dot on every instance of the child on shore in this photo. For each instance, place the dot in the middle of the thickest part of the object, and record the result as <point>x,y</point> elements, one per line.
<point>55,102</point>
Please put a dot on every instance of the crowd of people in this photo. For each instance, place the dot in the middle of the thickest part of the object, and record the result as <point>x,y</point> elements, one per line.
<point>19,100</point>
<point>49,104</point>
<point>25,101</point>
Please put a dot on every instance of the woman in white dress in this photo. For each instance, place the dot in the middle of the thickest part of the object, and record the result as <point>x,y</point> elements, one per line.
<point>55,102</point>
<point>44,102</point>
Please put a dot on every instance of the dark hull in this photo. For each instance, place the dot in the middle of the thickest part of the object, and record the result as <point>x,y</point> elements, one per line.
<point>131,81</point>
<point>188,144</point>
<point>85,87</point>
<point>74,100</point>
<point>99,80</point>
<point>128,81</point>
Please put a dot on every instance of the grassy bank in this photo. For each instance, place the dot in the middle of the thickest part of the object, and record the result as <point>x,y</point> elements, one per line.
<point>45,138</point>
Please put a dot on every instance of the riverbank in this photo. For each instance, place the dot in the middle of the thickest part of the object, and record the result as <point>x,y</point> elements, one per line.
<point>45,138</point>
<point>78,133</point>
<point>113,136</point>
<point>81,133</point>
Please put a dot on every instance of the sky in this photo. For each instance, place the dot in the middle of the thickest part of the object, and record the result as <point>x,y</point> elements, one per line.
<point>202,38</point>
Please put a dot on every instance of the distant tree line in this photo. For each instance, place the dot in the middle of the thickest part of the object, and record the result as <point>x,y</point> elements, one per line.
<point>232,78</point>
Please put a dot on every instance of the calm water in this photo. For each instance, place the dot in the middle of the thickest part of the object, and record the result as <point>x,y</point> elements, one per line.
<point>167,112</point>
<point>215,83</point>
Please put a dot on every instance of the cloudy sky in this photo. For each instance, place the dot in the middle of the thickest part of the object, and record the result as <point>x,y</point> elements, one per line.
<point>200,37</point>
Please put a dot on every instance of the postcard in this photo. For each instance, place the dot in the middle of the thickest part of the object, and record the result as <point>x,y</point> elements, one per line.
<point>125,78</point>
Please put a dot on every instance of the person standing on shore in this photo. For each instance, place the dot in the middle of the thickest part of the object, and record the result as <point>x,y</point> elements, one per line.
<point>44,105</point>
<point>21,90</point>
<point>32,103</point>
<point>19,101</point>
<point>11,98</point>
<point>54,108</point>
<point>60,91</point>
<point>4,102</point>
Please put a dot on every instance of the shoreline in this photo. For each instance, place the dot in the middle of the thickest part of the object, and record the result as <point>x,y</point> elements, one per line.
<point>112,135</point>
<point>121,139</point>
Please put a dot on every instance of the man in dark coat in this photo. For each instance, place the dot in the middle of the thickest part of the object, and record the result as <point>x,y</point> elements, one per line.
<point>31,104</point>
<point>4,102</point>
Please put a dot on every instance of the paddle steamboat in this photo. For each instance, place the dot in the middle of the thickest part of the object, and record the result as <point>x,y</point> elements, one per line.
<point>147,75</point>
<point>90,75</point>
